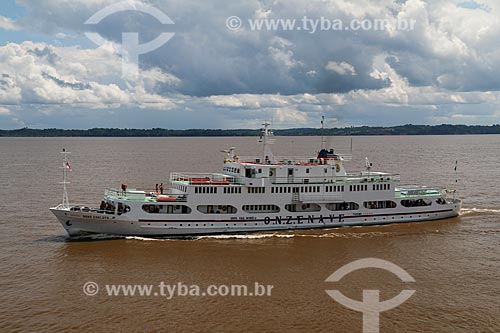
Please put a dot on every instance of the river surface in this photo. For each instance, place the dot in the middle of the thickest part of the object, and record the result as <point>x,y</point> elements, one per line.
<point>455,262</point>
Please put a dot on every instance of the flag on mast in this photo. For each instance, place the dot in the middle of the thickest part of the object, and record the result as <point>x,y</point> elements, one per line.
<point>67,166</point>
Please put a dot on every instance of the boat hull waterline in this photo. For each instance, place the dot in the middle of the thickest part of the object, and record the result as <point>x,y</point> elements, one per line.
<point>84,223</point>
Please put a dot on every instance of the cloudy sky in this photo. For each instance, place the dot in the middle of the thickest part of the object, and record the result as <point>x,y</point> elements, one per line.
<point>444,70</point>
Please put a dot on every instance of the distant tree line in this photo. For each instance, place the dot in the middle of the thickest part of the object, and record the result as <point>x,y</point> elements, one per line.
<point>345,131</point>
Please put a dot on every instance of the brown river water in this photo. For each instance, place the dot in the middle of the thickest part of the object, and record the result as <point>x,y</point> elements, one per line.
<point>455,262</point>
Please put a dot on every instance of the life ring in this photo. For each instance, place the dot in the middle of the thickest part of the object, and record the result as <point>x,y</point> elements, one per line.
<point>304,207</point>
<point>224,208</point>
<point>337,168</point>
<point>271,173</point>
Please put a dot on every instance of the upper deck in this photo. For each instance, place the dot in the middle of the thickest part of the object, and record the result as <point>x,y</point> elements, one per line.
<point>219,179</point>
<point>289,160</point>
<point>413,191</point>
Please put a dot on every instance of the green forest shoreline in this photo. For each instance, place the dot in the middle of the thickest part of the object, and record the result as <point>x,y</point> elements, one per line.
<point>344,131</point>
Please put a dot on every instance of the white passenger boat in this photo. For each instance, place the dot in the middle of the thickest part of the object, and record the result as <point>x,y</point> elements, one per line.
<point>260,194</point>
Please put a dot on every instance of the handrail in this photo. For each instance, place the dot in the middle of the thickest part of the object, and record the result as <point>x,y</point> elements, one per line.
<point>201,178</point>
<point>289,159</point>
<point>180,197</point>
<point>349,179</point>
<point>319,197</point>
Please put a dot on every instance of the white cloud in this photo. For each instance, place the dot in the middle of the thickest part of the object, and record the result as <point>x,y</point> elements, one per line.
<point>4,111</point>
<point>342,68</point>
<point>8,24</point>
<point>38,73</point>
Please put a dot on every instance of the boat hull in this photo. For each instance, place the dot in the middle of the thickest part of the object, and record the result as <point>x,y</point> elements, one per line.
<point>84,223</point>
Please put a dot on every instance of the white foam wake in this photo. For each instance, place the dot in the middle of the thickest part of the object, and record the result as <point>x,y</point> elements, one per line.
<point>479,210</point>
<point>147,238</point>
<point>253,236</point>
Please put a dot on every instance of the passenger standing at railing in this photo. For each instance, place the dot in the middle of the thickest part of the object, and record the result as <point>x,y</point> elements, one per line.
<point>156,190</point>
<point>161,188</point>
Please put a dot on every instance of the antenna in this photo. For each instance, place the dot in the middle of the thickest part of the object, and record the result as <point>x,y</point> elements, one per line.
<point>65,166</point>
<point>322,132</point>
<point>351,146</point>
<point>265,139</point>
<point>368,164</point>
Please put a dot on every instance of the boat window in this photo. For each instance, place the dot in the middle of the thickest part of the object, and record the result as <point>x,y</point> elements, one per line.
<point>257,190</point>
<point>303,207</point>
<point>123,209</point>
<point>379,204</point>
<point>216,209</point>
<point>261,208</point>
<point>335,206</point>
<point>441,201</point>
<point>166,209</point>
<point>416,202</point>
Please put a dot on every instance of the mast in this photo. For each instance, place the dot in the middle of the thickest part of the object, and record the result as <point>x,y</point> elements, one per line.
<point>322,132</point>
<point>265,138</point>
<point>65,166</point>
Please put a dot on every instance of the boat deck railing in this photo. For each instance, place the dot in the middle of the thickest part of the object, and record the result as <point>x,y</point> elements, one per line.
<point>141,195</point>
<point>219,179</point>
<point>412,191</point>
<point>327,197</point>
<point>351,178</point>
<point>290,160</point>
<point>195,178</point>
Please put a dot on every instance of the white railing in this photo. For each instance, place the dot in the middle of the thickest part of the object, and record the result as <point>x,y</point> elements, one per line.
<point>318,197</point>
<point>349,179</point>
<point>139,195</point>
<point>290,159</point>
<point>199,177</point>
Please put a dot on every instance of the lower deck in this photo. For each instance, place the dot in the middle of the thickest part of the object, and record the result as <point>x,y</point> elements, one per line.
<point>77,223</point>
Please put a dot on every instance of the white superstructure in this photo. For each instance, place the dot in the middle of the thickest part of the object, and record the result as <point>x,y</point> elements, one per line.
<point>261,194</point>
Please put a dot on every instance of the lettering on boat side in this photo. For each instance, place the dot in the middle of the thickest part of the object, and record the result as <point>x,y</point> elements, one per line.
<point>302,219</point>
<point>95,217</point>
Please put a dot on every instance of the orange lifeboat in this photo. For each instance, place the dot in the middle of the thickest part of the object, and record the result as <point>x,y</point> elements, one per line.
<point>165,198</point>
